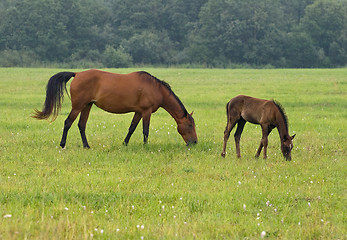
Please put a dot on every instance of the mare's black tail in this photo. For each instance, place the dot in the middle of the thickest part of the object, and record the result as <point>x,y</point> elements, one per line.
<point>54,95</point>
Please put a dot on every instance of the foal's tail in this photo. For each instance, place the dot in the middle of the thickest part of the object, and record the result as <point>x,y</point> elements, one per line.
<point>54,95</point>
<point>227,108</point>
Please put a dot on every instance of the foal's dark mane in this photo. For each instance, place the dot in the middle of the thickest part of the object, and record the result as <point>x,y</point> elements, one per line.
<point>165,84</point>
<point>283,113</point>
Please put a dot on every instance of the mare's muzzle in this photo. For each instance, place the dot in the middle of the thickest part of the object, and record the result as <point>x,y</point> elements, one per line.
<point>192,142</point>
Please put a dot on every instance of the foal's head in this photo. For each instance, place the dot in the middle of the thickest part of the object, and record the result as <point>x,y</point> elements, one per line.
<point>186,128</point>
<point>287,146</point>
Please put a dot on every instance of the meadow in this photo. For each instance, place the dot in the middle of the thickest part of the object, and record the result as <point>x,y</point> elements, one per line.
<point>165,190</point>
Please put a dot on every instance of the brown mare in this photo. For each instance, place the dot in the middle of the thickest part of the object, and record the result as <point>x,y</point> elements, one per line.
<point>137,92</point>
<point>268,114</point>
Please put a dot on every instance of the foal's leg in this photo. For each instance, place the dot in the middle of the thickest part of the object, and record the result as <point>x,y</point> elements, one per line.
<point>136,119</point>
<point>82,124</point>
<point>68,122</point>
<point>146,117</point>
<point>230,125</point>
<point>240,125</point>
<point>264,141</point>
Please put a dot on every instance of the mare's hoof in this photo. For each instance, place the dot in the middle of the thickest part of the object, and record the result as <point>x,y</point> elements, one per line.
<point>223,154</point>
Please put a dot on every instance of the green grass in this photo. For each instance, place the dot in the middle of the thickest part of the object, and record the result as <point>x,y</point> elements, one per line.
<point>165,190</point>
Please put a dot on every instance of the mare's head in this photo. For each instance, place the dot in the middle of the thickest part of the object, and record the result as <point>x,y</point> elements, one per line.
<point>287,146</point>
<point>186,127</point>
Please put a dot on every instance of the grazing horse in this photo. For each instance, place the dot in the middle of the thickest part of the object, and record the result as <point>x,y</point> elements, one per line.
<point>137,92</point>
<point>268,114</point>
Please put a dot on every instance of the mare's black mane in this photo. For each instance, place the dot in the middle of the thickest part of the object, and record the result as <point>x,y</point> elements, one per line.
<point>165,84</point>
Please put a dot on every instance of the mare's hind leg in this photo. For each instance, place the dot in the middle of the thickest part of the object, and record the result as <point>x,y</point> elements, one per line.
<point>240,125</point>
<point>83,122</point>
<point>136,119</point>
<point>230,125</point>
<point>68,122</point>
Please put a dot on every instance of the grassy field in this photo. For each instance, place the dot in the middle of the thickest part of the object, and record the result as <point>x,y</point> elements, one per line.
<point>165,190</point>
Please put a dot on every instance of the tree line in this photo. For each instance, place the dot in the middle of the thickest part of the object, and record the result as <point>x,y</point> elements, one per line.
<point>210,33</point>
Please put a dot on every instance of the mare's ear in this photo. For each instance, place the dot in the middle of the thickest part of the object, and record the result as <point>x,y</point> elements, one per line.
<point>292,137</point>
<point>192,113</point>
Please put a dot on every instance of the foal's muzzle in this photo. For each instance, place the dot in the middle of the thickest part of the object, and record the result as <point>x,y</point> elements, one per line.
<point>192,142</point>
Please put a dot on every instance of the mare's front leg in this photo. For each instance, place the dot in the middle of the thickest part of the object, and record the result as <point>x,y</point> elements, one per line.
<point>136,119</point>
<point>146,117</point>
<point>67,124</point>
<point>83,122</point>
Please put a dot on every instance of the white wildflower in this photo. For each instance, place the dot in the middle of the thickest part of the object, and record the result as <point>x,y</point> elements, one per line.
<point>263,233</point>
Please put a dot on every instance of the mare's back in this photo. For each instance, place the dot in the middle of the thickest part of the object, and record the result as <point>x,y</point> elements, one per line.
<point>116,93</point>
<point>112,83</point>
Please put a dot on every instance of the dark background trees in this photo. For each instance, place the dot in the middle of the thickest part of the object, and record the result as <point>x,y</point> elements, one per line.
<point>212,33</point>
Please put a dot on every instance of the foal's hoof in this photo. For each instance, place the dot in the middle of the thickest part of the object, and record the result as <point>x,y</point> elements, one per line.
<point>223,154</point>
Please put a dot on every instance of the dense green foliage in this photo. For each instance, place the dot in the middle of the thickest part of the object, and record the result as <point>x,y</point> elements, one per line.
<point>214,33</point>
<point>165,190</point>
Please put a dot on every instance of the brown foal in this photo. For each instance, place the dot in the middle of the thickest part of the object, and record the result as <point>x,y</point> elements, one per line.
<point>268,114</point>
